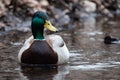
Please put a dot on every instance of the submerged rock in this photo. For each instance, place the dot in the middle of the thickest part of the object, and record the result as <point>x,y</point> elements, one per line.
<point>88,6</point>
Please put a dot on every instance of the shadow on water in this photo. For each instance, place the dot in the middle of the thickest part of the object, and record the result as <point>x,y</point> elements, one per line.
<point>90,59</point>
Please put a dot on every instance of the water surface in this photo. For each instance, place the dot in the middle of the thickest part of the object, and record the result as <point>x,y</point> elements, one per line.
<point>90,59</point>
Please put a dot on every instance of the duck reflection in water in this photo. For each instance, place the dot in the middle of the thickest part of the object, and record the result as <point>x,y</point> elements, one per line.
<point>44,73</point>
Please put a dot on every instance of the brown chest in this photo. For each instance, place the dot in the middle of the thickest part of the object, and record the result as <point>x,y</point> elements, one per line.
<point>39,53</point>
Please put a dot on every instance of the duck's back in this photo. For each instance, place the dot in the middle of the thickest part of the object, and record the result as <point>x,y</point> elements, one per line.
<point>39,53</point>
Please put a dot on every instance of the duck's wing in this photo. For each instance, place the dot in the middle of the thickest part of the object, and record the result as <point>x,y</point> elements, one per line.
<point>26,45</point>
<point>58,45</point>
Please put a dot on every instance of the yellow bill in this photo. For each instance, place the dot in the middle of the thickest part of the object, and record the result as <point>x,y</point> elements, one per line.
<point>49,26</point>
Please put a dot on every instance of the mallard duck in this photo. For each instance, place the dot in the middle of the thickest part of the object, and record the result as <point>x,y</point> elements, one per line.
<point>41,49</point>
<point>110,40</point>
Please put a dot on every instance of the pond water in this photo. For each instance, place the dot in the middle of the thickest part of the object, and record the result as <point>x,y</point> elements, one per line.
<point>90,59</point>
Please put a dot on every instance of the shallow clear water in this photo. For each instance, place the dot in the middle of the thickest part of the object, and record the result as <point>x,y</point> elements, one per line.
<point>90,59</point>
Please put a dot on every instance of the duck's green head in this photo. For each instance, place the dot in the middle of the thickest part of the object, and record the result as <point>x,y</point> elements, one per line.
<point>40,21</point>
